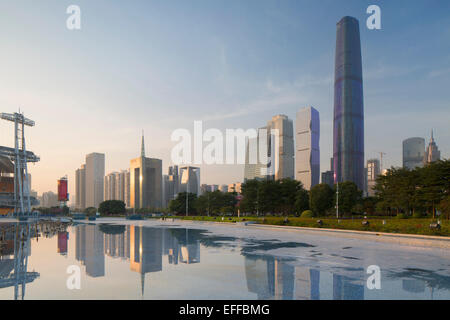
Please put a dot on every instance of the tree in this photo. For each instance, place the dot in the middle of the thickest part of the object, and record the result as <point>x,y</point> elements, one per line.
<point>349,196</point>
<point>301,201</point>
<point>250,195</point>
<point>321,198</point>
<point>178,205</point>
<point>444,206</point>
<point>112,207</point>
<point>90,210</point>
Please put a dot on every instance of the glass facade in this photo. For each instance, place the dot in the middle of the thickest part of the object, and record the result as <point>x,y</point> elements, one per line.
<point>348,131</point>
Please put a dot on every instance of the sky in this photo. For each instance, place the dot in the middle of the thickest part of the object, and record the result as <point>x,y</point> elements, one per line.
<point>160,65</point>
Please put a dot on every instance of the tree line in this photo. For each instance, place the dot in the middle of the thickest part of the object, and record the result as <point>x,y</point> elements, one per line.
<point>415,192</point>
<point>410,192</point>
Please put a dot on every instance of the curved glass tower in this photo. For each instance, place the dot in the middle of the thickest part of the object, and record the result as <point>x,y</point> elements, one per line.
<point>348,131</point>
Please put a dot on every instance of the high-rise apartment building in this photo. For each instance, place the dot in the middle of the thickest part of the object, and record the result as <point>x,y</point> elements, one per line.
<point>80,187</point>
<point>348,123</point>
<point>110,186</point>
<point>307,157</point>
<point>94,179</point>
<point>281,152</point>
<point>256,157</point>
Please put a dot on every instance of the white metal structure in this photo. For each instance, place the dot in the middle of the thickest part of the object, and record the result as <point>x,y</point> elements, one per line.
<point>20,157</point>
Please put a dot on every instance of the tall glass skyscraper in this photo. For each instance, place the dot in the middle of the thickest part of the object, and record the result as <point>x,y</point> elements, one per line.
<point>348,131</point>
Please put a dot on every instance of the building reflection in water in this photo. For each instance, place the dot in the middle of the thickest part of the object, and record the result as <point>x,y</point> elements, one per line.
<point>89,246</point>
<point>144,248</point>
<point>272,278</point>
<point>267,276</point>
<point>15,249</point>
<point>63,238</point>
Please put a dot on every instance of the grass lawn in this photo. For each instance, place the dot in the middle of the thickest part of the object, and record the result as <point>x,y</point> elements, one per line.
<point>392,225</point>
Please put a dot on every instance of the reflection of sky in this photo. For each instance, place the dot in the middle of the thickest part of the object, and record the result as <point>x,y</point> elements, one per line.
<point>222,267</point>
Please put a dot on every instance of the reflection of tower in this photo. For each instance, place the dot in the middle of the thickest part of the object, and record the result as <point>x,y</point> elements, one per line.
<point>345,288</point>
<point>307,284</point>
<point>89,249</point>
<point>190,252</point>
<point>259,273</point>
<point>413,285</point>
<point>145,251</point>
<point>170,247</point>
<point>13,270</point>
<point>284,281</point>
<point>62,242</point>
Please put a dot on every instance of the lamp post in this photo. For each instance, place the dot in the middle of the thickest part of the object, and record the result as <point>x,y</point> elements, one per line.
<point>337,196</point>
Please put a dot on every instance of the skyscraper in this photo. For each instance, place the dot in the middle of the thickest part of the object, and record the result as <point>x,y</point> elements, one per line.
<point>307,157</point>
<point>432,153</point>
<point>145,181</point>
<point>256,157</point>
<point>413,152</point>
<point>348,131</point>
<point>95,173</point>
<point>281,154</point>
<point>170,185</point>
<point>190,179</point>
<point>80,187</point>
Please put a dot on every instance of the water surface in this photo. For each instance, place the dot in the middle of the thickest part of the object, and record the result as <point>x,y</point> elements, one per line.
<point>198,261</point>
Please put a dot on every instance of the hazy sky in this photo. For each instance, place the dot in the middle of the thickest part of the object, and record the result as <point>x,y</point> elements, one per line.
<point>160,65</point>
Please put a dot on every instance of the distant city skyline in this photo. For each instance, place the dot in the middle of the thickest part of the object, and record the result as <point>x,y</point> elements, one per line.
<point>90,96</point>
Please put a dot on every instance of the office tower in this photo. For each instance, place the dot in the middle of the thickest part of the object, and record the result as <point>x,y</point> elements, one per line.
<point>80,187</point>
<point>432,153</point>
<point>95,173</point>
<point>170,185</point>
<point>281,154</point>
<point>146,181</point>
<point>348,131</point>
<point>307,157</point>
<point>373,171</point>
<point>328,176</point>
<point>190,180</point>
<point>256,157</point>
<point>174,176</point>
<point>413,152</point>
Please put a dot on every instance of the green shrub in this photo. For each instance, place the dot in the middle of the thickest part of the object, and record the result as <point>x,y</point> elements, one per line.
<point>307,214</point>
<point>401,216</point>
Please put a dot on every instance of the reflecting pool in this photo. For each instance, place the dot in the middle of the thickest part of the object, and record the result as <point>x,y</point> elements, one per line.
<point>155,260</point>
